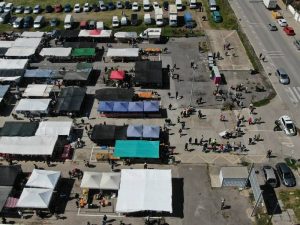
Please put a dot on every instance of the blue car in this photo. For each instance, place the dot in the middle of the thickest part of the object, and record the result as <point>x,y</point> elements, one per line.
<point>111,6</point>
<point>67,8</point>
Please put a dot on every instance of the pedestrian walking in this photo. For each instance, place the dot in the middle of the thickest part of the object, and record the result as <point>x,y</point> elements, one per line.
<point>250,141</point>
<point>170,106</point>
<point>186,147</point>
<point>88,223</point>
<point>4,220</point>
<point>112,165</point>
<point>263,59</point>
<point>250,121</point>
<point>82,121</point>
<point>178,119</point>
<point>182,125</point>
<point>190,140</point>
<point>77,204</point>
<point>196,141</point>
<point>201,140</point>
<point>269,153</point>
<point>174,66</point>
<point>86,128</point>
<point>176,95</point>
<point>169,94</point>
<point>91,127</point>
<point>260,55</point>
<point>70,174</point>
<point>209,141</point>
<point>180,132</point>
<point>104,220</point>
<point>145,165</point>
<point>199,114</point>
<point>192,64</point>
<point>222,203</point>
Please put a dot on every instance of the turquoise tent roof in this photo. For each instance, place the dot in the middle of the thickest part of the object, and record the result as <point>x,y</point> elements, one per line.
<point>136,149</point>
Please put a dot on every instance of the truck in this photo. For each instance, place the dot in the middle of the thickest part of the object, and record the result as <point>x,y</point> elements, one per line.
<point>159,17</point>
<point>151,33</point>
<point>173,15</point>
<point>270,4</point>
<point>188,20</point>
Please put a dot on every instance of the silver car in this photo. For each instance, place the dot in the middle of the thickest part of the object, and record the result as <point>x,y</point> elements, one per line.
<point>282,76</point>
<point>287,125</point>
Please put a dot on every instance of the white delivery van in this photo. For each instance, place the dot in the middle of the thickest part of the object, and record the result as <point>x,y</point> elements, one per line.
<point>115,21</point>
<point>173,15</point>
<point>68,22</point>
<point>159,17</point>
<point>146,4</point>
<point>179,5</point>
<point>193,4</point>
<point>147,19</point>
<point>151,33</point>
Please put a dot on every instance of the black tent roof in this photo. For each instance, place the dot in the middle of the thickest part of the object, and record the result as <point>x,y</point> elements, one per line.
<point>12,73</point>
<point>68,33</point>
<point>70,99</point>
<point>148,72</point>
<point>108,133</point>
<point>9,174</point>
<point>18,128</point>
<point>80,44</point>
<point>121,133</point>
<point>80,75</point>
<point>4,194</point>
<point>115,94</point>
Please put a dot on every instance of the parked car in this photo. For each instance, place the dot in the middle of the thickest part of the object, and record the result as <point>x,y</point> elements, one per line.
<point>124,21</point>
<point>37,9</point>
<point>9,7</point>
<point>58,8</point>
<point>92,25</point>
<point>270,176</point>
<point>119,5</point>
<point>287,125</point>
<point>134,19</point>
<point>67,8</point>
<point>289,31</point>
<point>95,8</point>
<point>2,6</point>
<point>286,175</point>
<point>27,10</point>
<point>19,9</point>
<point>5,18</point>
<point>86,7</point>
<point>272,27</point>
<point>102,6</point>
<point>128,5</point>
<point>49,9</point>
<point>18,23</point>
<point>282,76</point>
<point>53,22</point>
<point>28,22</point>
<point>77,8</point>
<point>155,5</point>
<point>115,21</point>
<point>166,5</point>
<point>111,6</point>
<point>297,43</point>
<point>282,22</point>
<point>135,6</point>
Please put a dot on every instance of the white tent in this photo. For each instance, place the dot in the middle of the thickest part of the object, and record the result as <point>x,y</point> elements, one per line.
<point>38,198</point>
<point>32,34</point>
<point>35,145</point>
<point>95,34</point>
<point>122,52</point>
<point>142,190</point>
<point>10,64</point>
<point>16,78</point>
<point>6,44</point>
<point>104,181</point>
<point>33,105</point>
<point>59,52</point>
<point>27,42</point>
<point>50,128</point>
<point>20,52</point>
<point>43,179</point>
<point>38,90</point>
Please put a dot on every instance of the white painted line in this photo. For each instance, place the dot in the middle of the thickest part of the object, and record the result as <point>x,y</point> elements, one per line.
<point>296,90</point>
<point>291,95</point>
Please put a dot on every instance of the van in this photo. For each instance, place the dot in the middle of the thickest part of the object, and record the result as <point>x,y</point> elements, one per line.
<point>115,21</point>
<point>178,4</point>
<point>173,15</point>
<point>193,4</point>
<point>147,19</point>
<point>188,20</point>
<point>18,23</point>
<point>39,22</point>
<point>2,6</point>
<point>8,7</point>
<point>4,17</point>
<point>146,4</point>
<point>216,16</point>
<point>212,5</point>
<point>92,25</point>
<point>69,22</point>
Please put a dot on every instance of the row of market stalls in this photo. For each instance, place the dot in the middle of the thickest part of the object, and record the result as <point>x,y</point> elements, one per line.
<point>83,35</point>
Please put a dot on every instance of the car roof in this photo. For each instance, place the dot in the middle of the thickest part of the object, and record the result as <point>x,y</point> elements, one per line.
<point>286,118</point>
<point>269,171</point>
<point>281,71</point>
<point>284,167</point>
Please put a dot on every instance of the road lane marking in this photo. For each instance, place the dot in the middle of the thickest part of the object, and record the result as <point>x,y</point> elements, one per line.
<point>291,95</point>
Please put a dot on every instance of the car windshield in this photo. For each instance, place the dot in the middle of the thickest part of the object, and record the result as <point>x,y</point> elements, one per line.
<point>288,175</point>
<point>289,126</point>
<point>284,76</point>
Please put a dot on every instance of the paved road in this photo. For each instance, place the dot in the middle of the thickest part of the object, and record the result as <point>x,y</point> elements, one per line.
<point>276,46</point>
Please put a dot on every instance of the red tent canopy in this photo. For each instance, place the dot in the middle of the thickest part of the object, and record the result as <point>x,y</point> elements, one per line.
<point>117,75</point>
<point>95,32</point>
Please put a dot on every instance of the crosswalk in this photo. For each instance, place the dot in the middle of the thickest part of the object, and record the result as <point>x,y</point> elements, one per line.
<point>275,54</point>
<point>294,94</point>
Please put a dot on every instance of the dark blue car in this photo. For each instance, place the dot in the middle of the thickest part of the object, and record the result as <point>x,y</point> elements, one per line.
<point>67,8</point>
<point>111,6</point>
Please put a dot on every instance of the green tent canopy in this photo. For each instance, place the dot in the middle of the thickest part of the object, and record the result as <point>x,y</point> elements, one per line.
<point>83,52</point>
<point>136,149</point>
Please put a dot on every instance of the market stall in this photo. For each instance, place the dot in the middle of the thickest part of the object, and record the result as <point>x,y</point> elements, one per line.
<point>43,179</point>
<point>38,90</point>
<point>36,198</point>
<point>20,52</point>
<point>114,94</point>
<point>148,74</point>
<point>18,129</point>
<point>84,54</point>
<point>3,94</point>
<point>117,75</point>
<point>50,128</point>
<point>123,54</point>
<point>13,64</point>
<point>33,106</point>
<point>135,131</point>
<point>107,134</point>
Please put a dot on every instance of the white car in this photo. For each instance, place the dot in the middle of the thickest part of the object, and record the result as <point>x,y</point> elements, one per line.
<point>287,125</point>
<point>77,8</point>
<point>86,7</point>
<point>135,6</point>
<point>124,21</point>
<point>282,22</point>
<point>115,21</point>
<point>155,5</point>
<point>37,9</point>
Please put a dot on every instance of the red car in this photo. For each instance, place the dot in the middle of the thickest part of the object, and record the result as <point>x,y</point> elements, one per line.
<point>58,8</point>
<point>289,31</point>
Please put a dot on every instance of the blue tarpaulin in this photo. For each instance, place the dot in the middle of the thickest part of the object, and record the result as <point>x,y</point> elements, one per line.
<point>151,106</point>
<point>38,73</point>
<point>120,107</point>
<point>136,106</point>
<point>135,131</point>
<point>106,106</point>
<point>151,131</point>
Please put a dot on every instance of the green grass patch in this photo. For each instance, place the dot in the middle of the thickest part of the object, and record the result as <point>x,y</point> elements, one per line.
<point>262,219</point>
<point>266,100</point>
<point>291,163</point>
<point>291,200</point>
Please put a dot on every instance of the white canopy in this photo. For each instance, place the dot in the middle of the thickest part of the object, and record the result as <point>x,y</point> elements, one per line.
<point>125,35</point>
<point>6,44</point>
<point>35,145</point>
<point>33,105</point>
<point>20,51</point>
<point>27,42</point>
<point>50,128</point>
<point>122,52</point>
<point>10,64</point>
<point>16,78</point>
<point>43,179</point>
<point>32,34</point>
<point>59,52</point>
<point>95,34</point>
<point>38,90</point>
<point>38,198</point>
<point>142,190</point>
<point>104,181</point>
